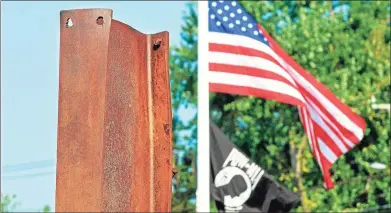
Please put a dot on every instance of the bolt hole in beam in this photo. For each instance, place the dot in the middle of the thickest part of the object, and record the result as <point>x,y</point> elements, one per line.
<point>99,20</point>
<point>69,23</point>
<point>157,44</point>
<point>174,172</point>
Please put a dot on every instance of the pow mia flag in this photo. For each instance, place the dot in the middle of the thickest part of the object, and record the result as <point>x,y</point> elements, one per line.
<point>239,185</point>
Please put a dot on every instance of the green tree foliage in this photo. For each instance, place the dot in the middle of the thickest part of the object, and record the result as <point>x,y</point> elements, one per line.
<point>8,204</point>
<point>46,208</point>
<point>183,69</point>
<point>346,45</point>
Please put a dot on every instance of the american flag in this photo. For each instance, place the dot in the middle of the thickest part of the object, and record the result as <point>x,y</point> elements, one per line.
<point>244,60</point>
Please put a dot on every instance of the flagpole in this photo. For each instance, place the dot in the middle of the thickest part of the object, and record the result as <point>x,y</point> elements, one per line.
<point>203,158</point>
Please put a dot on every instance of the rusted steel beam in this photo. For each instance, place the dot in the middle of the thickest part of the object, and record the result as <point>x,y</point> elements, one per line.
<point>114,146</point>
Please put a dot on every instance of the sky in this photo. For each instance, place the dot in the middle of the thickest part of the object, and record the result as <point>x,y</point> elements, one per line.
<point>29,86</point>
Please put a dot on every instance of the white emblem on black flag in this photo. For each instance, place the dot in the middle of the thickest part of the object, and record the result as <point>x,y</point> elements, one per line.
<point>240,185</point>
<point>238,164</point>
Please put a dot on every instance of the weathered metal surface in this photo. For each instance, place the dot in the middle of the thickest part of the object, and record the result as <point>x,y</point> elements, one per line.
<point>114,127</point>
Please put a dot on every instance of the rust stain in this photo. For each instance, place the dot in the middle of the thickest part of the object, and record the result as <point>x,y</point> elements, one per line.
<point>167,128</point>
<point>114,146</point>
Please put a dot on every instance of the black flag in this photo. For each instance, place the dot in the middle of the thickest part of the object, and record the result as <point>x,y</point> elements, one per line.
<point>240,185</point>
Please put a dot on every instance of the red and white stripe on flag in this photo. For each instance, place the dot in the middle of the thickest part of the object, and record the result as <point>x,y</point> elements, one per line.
<point>245,60</point>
